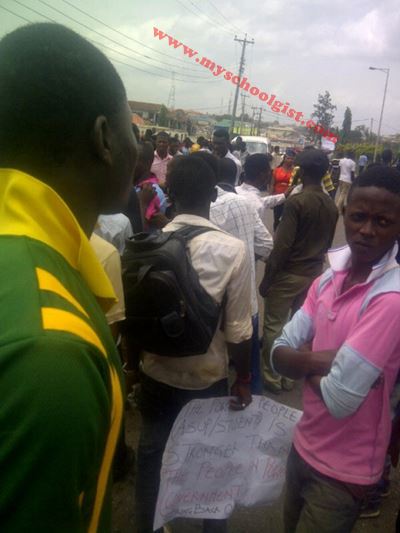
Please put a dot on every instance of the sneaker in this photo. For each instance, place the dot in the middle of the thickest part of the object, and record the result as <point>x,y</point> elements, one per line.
<point>274,387</point>
<point>370,510</point>
<point>287,384</point>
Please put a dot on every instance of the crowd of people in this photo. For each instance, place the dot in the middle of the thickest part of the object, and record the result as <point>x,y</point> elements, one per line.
<point>79,190</point>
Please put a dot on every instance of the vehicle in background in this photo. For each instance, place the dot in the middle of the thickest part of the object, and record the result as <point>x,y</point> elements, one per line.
<point>254,144</point>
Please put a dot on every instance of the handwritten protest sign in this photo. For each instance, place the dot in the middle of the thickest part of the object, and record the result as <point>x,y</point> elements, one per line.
<point>216,458</point>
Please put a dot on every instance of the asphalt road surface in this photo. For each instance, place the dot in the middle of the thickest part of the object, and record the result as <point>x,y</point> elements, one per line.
<point>243,520</point>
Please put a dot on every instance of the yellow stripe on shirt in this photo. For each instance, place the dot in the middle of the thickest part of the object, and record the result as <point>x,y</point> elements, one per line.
<point>57,319</point>
<point>48,282</point>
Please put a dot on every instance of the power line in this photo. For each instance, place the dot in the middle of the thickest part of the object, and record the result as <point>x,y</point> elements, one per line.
<point>15,14</point>
<point>223,16</point>
<point>209,21</point>
<point>126,36</point>
<point>189,80</point>
<point>36,12</point>
<point>219,26</point>
<point>121,33</point>
<point>189,76</point>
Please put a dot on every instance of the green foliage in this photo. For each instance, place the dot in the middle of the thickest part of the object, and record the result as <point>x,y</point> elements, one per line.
<point>324,111</point>
<point>365,148</point>
<point>346,128</point>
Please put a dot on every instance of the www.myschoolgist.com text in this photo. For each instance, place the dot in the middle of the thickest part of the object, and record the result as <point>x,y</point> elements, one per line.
<point>270,100</point>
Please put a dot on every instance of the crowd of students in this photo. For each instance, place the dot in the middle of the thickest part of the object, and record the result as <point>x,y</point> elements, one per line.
<point>78,190</point>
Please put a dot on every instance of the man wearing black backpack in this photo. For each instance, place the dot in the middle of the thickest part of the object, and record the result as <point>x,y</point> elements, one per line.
<point>168,383</point>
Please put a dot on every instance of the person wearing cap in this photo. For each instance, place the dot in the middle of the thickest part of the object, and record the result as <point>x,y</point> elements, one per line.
<point>303,237</point>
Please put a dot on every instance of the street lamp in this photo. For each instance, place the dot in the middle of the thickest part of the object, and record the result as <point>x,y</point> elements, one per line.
<point>386,70</point>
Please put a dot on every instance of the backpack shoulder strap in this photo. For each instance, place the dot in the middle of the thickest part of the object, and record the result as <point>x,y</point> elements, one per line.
<point>187,233</point>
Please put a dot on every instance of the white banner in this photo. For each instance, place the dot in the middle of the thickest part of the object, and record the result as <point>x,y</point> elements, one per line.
<point>216,458</point>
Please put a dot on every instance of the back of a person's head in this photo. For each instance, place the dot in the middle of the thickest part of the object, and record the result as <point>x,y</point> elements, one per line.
<point>146,152</point>
<point>387,156</point>
<point>208,158</point>
<point>163,135</point>
<point>53,86</point>
<point>191,183</point>
<point>227,171</point>
<point>349,154</point>
<point>254,165</point>
<point>314,163</point>
<point>221,134</point>
<point>378,176</point>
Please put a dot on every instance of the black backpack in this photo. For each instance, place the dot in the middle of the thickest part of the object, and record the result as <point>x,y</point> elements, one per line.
<point>167,310</point>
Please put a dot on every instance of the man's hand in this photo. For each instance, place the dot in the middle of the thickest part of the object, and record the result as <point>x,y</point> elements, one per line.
<point>322,362</point>
<point>289,190</point>
<point>243,396</point>
<point>264,286</point>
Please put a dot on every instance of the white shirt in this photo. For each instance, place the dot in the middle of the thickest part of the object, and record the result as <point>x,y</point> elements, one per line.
<point>347,166</point>
<point>242,156</point>
<point>236,215</point>
<point>222,264</point>
<point>229,155</point>
<point>115,229</point>
<point>276,160</point>
<point>261,203</point>
<point>109,257</point>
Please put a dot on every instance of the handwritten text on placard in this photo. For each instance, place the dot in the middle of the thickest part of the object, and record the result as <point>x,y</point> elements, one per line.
<point>216,458</point>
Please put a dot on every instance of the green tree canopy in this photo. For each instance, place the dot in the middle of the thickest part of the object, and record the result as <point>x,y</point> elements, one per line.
<point>324,109</point>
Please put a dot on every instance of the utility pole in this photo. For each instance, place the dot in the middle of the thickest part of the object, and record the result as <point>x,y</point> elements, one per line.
<point>243,42</point>
<point>171,96</point>
<point>259,120</point>
<point>244,96</point>
<point>386,71</point>
<point>229,104</point>
<point>252,120</point>
<point>370,129</point>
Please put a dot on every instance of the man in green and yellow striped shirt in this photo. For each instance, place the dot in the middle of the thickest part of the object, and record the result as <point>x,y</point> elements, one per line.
<point>67,154</point>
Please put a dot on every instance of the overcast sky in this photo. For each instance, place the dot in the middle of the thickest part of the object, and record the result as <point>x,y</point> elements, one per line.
<point>302,48</point>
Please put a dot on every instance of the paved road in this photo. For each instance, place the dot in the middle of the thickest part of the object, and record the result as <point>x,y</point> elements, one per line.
<point>254,519</point>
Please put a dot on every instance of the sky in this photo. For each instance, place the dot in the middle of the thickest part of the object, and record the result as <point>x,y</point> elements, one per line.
<point>301,48</point>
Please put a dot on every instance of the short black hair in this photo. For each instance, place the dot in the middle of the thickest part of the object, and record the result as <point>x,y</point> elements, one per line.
<point>378,176</point>
<point>226,171</point>
<point>53,86</point>
<point>208,158</point>
<point>191,182</point>
<point>163,134</point>
<point>221,133</point>
<point>255,164</point>
<point>314,163</point>
<point>146,152</point>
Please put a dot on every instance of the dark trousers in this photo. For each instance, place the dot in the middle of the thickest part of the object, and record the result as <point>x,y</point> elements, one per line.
<point>159,406</point>
<point>278,211</point>
<point>256,375</point>
<point>315,503</point>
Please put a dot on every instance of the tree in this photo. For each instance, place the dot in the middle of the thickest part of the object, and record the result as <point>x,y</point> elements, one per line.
<point>346,125</point>
<point>324,111</point>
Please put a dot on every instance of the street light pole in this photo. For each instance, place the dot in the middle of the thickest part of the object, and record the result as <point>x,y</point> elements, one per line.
<point>386,70</point>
